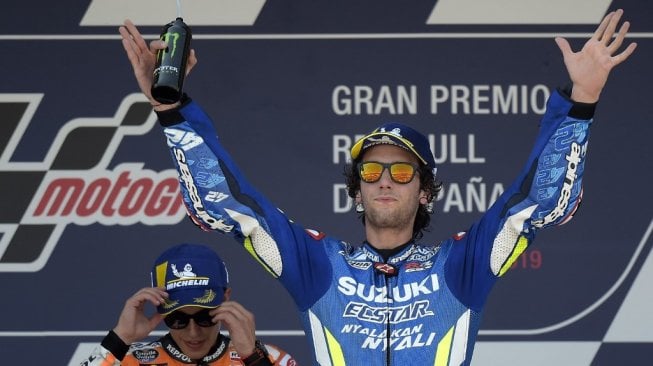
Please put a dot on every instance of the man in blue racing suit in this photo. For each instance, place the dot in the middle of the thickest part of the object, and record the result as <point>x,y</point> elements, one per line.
<point>390,300</point>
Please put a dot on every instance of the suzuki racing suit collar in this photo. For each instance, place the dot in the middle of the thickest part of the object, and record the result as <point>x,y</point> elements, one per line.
<point>386,254</point>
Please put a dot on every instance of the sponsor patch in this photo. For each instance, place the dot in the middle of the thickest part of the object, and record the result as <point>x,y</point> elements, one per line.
<point>362,265</point>
<point>146,355</point>
<point>417,266</point>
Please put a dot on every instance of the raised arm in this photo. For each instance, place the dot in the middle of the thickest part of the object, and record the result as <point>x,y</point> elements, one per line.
<point>589,68</point>
<point>548,190</point>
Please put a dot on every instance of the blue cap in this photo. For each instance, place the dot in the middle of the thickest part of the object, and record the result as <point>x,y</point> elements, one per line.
<point>399,135</point>
<point>192,274</point>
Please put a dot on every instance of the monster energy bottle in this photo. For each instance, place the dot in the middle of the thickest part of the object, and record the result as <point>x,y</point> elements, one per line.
<point>170,67</point>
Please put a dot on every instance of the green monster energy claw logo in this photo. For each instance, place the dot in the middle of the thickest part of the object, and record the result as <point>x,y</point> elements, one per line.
<point>175,37</point>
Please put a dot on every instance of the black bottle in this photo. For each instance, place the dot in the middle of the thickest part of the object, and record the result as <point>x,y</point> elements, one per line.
<point>170,67</point>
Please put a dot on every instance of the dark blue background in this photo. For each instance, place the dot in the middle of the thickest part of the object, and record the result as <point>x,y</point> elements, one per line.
<point>271,100</point>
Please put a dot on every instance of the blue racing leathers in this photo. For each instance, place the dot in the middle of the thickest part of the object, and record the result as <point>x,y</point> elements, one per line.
<point>429,311</point>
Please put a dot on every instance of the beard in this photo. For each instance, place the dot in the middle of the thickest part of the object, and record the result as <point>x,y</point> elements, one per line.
<point>398,218</point>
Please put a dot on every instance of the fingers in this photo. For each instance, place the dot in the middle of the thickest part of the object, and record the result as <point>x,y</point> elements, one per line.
<point>598,33</point>
<point>612,21</point>
<point>133,324</point>
<point>240,323</point>
<point>619,39</point>
<point>135,35</point>
<point>127,40</point>
<point>563,45</point>
<point>132,42</point>
<point>192,61</point>
<point>130,35</point>
<point>141,45</point>
<point>605,35</point>
<point>617,59</point>
<point>157,45</point>
<point>154,295</point>
<point>232,313</point>
<point>135,44</point>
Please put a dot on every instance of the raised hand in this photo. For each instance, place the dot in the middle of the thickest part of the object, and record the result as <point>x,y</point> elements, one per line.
<point>133,325</point>
<point>240,324</point>
<point>589,68</point>
<point>143,57</point>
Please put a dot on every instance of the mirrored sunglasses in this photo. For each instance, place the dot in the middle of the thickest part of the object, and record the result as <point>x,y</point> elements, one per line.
<point>371,171</point>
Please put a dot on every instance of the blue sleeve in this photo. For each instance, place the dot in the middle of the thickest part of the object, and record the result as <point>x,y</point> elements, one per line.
<point>546,193</point>
<point>218,198</point>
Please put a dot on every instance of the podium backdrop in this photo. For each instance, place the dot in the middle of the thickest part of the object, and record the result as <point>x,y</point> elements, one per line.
<point>88,197</point>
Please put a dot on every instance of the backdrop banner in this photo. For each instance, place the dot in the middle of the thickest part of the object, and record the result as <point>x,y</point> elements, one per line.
<point>89,196</point>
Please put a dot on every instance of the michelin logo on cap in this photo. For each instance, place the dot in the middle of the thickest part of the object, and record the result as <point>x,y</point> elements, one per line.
<point>186,278</point>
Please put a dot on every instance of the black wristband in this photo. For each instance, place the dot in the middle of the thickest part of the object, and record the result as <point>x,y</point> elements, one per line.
<point>259,357</point>
<point>173,116</point>
<point>578,109</point>
<point>115,345</point>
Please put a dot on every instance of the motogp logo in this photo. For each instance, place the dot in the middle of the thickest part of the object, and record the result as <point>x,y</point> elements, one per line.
<point>73,183</point>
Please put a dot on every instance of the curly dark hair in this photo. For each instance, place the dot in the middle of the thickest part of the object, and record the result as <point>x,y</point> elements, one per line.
<point>428,183</point>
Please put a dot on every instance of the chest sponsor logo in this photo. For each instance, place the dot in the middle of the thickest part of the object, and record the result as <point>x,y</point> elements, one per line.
<point>385,314</point>
<point>398,339</point>
<point>148,355</point>
<point>405,292</point>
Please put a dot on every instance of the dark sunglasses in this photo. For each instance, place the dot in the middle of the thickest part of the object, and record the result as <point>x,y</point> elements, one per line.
<point>180,320</point>
<point>371,171</point>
